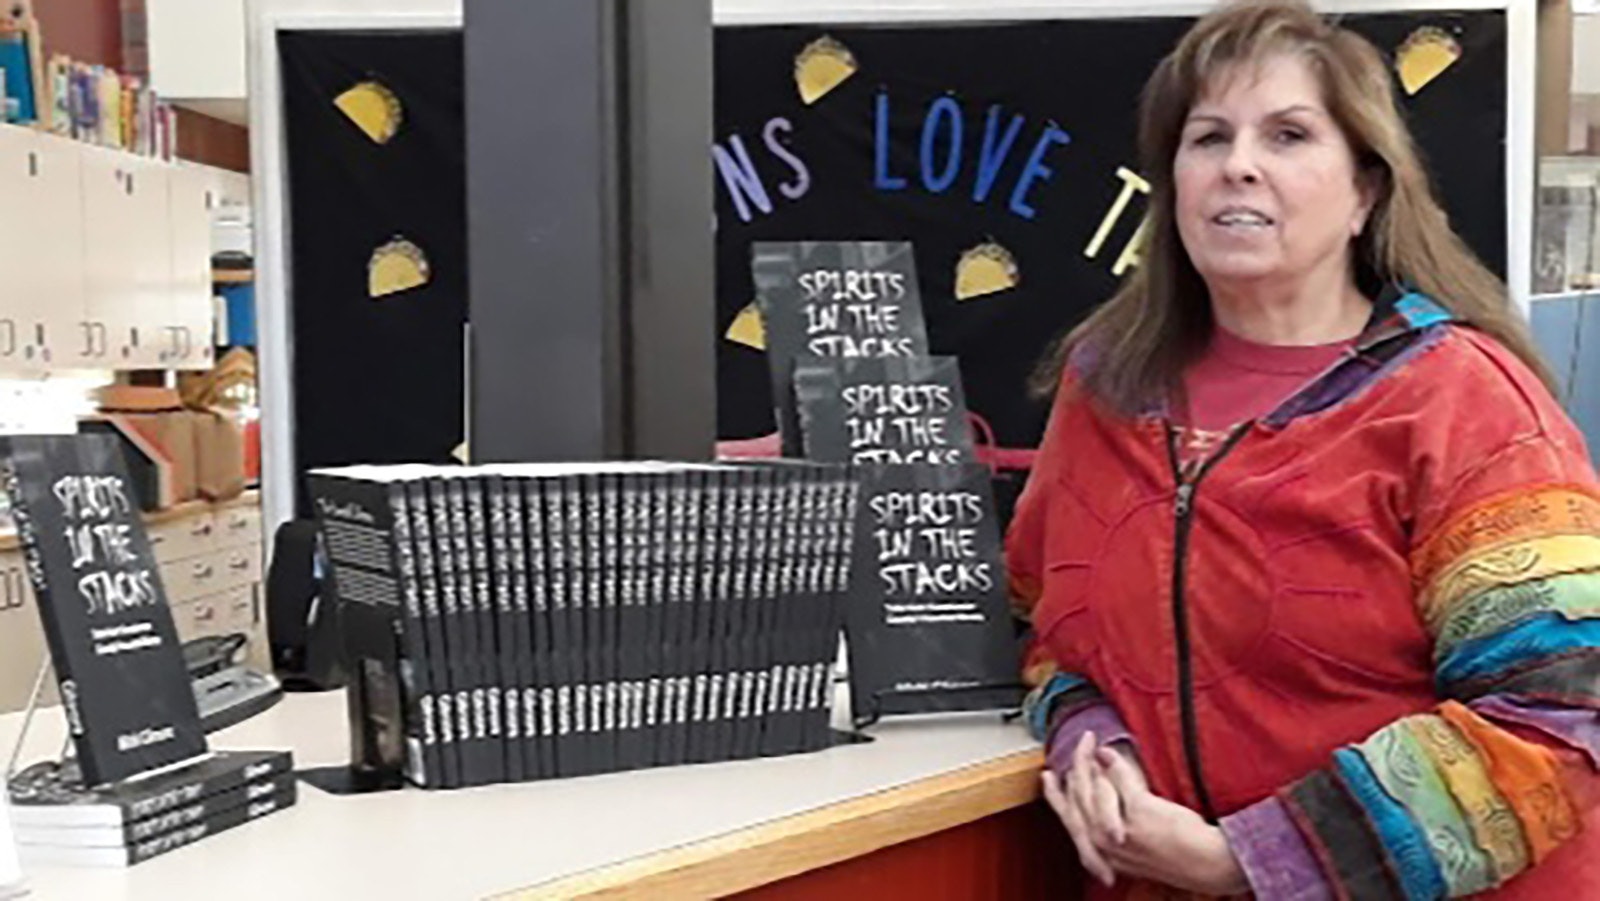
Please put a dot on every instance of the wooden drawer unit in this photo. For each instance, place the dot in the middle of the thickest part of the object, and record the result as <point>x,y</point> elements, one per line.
<point>222,613</point>
<point>187,536</point>
<point>209,573</point>
<point>238,525</point>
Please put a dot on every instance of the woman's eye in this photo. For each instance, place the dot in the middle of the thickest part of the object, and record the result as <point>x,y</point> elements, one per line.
<point>1208,139</point>
<point>1290,135</point>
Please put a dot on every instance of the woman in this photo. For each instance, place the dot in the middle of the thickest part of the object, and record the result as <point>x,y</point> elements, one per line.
<point>1311,554</point>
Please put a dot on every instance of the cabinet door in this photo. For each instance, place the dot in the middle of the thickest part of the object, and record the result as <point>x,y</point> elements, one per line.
<point>110,266</point>
<point>187,341</point>
<point>15,191</point>
<point>149,320</point>
<point>55,219</point>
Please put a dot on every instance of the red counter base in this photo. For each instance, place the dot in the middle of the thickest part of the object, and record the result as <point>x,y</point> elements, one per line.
<point>1022,853</point>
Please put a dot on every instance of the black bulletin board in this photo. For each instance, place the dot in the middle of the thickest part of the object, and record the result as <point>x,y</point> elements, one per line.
<point>821,171</point>
<point>375,380</point>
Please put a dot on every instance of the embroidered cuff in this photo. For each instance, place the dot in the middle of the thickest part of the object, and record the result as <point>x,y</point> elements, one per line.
<point>1100,718</point>
<point>1273,855</point>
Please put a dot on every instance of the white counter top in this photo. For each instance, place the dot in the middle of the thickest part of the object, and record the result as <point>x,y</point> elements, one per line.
<point>474,843</point>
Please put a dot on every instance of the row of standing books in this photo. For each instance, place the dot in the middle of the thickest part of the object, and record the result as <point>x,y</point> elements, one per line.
<point>563,620</point>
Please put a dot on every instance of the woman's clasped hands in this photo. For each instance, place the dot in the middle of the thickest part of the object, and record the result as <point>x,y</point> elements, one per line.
<point>1121,829</point>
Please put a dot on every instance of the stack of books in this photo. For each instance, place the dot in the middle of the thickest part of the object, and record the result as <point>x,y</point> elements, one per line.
<point>60,822</point>
<point>564,620</point>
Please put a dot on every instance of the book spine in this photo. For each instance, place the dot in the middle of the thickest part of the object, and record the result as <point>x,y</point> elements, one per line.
<point>44,598</point>
<point>486,620</point>
<point>422,742</point>
<point>439,656</point>
<point>221,822</point>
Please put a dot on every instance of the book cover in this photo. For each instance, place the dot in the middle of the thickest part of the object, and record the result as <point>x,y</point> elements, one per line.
<point>833,299</point>
<point>870,411</point>
<point>932,629</point>
<point>105,615</point>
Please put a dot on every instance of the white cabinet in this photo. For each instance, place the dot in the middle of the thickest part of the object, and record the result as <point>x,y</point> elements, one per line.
<point>111,269</point>
<point>105,258</point>
<point>187,339</point>
<point>42,297</point>
<point>15,189</point>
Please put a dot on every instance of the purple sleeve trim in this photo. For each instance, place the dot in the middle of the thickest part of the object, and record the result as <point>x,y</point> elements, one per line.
<point>1101,719</point>
<point>1578,727</point>
<point>1273,855</point>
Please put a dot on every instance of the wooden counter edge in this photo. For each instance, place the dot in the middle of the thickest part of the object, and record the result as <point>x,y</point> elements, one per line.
<point>796,844</point>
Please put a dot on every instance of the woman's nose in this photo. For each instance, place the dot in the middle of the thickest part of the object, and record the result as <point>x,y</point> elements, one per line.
<point>1243,161</point>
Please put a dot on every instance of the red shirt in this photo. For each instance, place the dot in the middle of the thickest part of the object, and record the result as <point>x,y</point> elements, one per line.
<point>1237,380</point>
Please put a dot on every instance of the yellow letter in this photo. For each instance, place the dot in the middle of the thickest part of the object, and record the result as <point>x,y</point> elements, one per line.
<point>1130,182</point>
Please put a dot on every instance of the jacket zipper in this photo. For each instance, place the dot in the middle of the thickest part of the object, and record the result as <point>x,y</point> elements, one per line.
<point>1183,520</point>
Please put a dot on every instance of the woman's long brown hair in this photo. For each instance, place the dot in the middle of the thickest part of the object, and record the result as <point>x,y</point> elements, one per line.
<point>1140,340</point>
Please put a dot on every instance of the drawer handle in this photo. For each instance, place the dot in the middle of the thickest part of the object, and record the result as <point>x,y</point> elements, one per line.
<point>11,336</point>
<point>205,615</point>
<point>239,564</point>
<point>203,571</point>
<point>201,530</point>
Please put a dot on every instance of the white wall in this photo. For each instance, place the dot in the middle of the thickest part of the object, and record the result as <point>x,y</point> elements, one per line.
<point>196,48</point>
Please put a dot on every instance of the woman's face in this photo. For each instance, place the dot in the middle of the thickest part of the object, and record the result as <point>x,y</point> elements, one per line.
<point>1267,189</point>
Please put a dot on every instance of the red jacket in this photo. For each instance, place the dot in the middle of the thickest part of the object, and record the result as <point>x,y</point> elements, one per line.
<point>1350,561</point>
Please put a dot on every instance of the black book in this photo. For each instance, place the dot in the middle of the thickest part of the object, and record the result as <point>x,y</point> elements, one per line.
<point>702,728</point>
<point>105,616</point>
<point>883,411</point>
<point>579,638</point>
<point>833,299</point>
<point>137,831</point>
<point>501,590</point>
<point>52,796</point>
<point>518,629</point>
<point>440,657</point>
<point>486,617</point>
<point>541,626</point>
<point>598,622</point>
<point>932,631</point>
<point>825,619</point>
<point>616,715</point>
<point>365,519</point>
<point>631,618</point>
<point>163,843</point>
<point>563,668</point>
<point>651,581</point>
<point>458,636</point>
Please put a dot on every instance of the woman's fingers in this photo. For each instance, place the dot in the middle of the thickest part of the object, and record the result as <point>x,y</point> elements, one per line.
<point>1124,776</point>
<point>1106,807</point>
<point>1077,829</point>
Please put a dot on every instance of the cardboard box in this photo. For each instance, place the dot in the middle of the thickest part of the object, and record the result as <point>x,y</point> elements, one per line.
<point>219,456</point>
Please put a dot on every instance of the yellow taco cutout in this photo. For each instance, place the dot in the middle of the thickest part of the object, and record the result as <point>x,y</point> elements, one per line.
<point>374,109</point>
<point>1425,55</point>
<point>397,266</point>
<point>986,269</point>
<point>748,328</point>
<point>822,66</point>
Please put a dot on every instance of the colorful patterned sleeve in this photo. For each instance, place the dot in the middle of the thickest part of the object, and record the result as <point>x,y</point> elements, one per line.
<point>1465,797</point>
